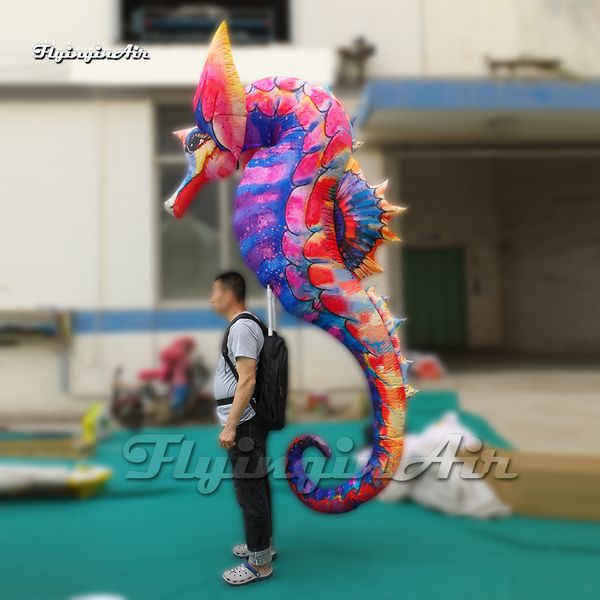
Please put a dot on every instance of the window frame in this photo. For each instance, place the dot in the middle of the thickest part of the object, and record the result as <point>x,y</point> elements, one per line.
<point>282,22</point>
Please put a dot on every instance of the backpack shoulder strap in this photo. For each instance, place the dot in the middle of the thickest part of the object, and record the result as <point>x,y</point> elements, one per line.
<point>224,349</point>
<point>254,318</point>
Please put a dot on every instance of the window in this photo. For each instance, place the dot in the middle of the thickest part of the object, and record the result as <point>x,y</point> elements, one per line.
<point>185,21</point>
<point>201,244</point>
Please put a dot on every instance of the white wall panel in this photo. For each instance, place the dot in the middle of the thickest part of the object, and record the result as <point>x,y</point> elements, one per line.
<point>49,167</point>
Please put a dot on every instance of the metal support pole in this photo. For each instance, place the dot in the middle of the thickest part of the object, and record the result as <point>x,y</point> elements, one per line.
<point>270,310</point>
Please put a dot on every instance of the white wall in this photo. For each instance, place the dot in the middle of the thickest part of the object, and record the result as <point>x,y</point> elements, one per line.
<point>317,361</point>
<point>83,24</point>
<point>413,38</point>
<point>459,35</point>
<point>77,232</point>
<point>567,29</point>
<point>78,200</point>
<point>441,38</point>
<point>394,27</point>
<point>129,207</point>
<point>51,196</point>
<point>59,22</point>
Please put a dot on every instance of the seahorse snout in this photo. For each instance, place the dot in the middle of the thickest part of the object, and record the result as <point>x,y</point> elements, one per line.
<point>170,203</point>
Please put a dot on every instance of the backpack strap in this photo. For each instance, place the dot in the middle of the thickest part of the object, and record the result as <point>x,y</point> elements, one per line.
<point>224,349</point>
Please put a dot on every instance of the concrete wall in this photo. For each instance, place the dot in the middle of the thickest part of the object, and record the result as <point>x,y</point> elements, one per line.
<point>549,215</point>
<point>529,227</point>
<point>392,26</point>
<point>451,204</point>
<point>441,38</point>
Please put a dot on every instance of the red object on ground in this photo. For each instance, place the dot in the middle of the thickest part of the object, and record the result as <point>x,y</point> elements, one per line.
<point>174,363</point>
<point>427,367</point>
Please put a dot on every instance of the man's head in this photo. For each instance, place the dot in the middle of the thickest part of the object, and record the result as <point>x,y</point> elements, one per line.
<point>228,293</point>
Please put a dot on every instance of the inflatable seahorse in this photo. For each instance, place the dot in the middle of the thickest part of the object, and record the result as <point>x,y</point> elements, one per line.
<point>308,225</point>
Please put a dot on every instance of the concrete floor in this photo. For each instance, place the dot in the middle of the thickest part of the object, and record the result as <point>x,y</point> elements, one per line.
<point>539,405</point>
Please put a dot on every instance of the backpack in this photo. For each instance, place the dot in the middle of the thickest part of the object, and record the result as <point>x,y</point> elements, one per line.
<point>270,393</point>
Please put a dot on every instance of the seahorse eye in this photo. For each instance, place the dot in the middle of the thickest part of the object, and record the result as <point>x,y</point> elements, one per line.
<point>194,140</point>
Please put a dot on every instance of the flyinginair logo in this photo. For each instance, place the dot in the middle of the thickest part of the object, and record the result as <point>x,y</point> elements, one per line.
<point>50,52</point>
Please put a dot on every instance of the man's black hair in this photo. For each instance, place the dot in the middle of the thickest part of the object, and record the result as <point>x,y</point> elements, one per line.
<point>235,282</point>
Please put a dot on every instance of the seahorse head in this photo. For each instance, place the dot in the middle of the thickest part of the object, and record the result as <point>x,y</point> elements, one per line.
<point>213,147</point>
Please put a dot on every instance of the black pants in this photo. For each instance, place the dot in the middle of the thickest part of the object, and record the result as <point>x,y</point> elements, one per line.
<point>251,483</point>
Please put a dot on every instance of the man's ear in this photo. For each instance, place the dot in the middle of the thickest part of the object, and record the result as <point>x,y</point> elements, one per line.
<point>219,101</point>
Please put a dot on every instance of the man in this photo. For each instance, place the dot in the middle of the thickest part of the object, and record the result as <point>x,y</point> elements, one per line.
<point>242,436</point>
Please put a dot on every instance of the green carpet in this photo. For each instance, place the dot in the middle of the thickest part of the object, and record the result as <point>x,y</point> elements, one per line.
<point>161,539</point>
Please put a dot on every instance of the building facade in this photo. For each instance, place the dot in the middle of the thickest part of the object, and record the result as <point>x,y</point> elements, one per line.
<point>483,114</point>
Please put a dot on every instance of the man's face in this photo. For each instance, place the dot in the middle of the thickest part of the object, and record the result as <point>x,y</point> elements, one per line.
<point>222,298</point>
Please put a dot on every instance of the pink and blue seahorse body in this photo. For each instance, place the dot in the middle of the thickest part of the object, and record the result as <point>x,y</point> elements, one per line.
<point>308,225</point>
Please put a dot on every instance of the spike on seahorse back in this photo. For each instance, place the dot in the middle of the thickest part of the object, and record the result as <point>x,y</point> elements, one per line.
<point>362,217</point>
<point>392,323</point>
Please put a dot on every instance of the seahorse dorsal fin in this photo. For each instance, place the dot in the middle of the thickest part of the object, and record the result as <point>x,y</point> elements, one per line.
<point>362,215</point>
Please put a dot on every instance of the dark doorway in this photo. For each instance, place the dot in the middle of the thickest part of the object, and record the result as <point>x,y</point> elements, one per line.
<point>434,298</point>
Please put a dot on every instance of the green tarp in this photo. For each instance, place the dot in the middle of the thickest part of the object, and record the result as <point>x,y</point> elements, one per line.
<point>161,539</point>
